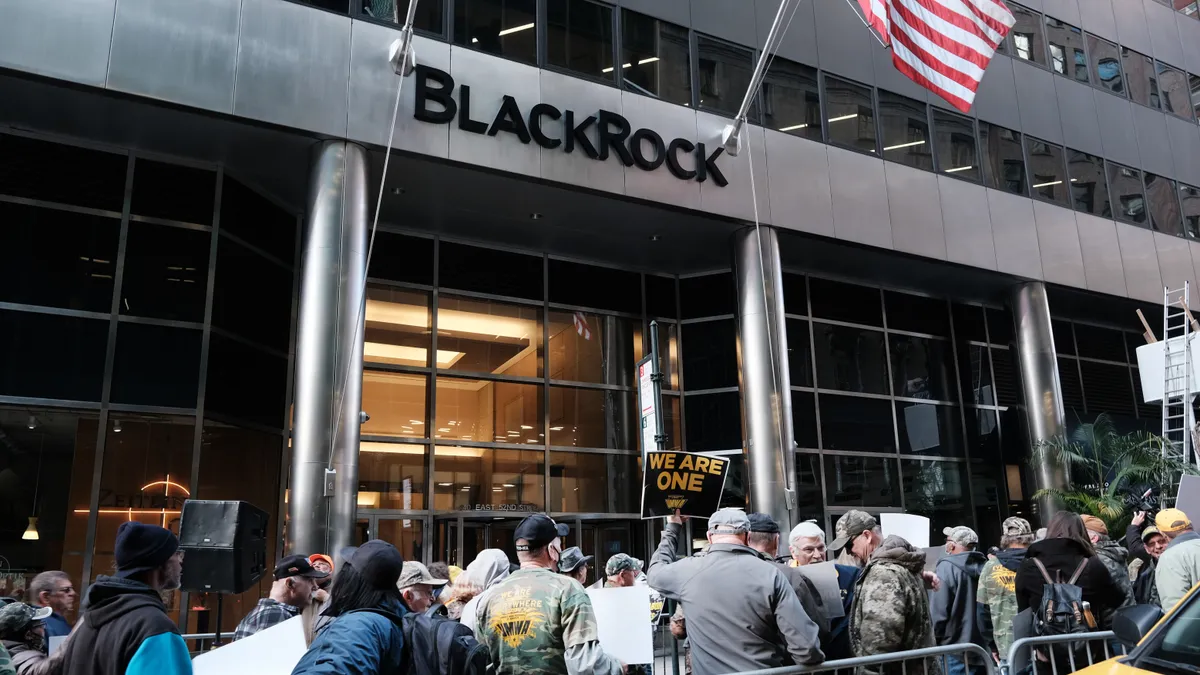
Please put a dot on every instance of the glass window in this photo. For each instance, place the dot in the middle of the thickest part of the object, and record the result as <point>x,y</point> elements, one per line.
<point>713,421</point>
<point>1003,161</point>
<point>400,257</point>
<point>592,418</point>
<point>1026,35</point>
<point>845,302</point>
<point>173,192</point>
<point>75,259</point>
<point>396,404</point>
<point>905,129</point>
<point>657,54</point>
<point>1066,50</point>
<point>792,99</point>
<point>1004,369</point>
<point>502,27</point>
<point>723,71</point>
<point>1194,87</point>
<point>166,272</point>
<point>955,144</point>
<point>668,354</point>
<point>574,283</point>
<point>928,429</point>
<point>579,37</point>
<point>264,315</point>
<point>1000,325</point>
<point>427,20</point>
<point>406,534</point>
<point>1187,8</point>
<point>795,293</point>
<point>66,174</point>
<point>660,297</point>
<point>968,322</point>
<point>49,356</point>
<point>1101,343</point>
<point>483,410</point>
<point>851,114</point>
<point>672,419</point>
<point>1189,205</point>
<point>1064,336</point>
<point>734,494</point>
<point>1107,388</point>
<point>586,347</point>
<point>245,382</point>
<point>1173,85</point>
<point>1089,187</point>
<point>707,295</point>
<point>983,435</point>
<point>799,354</point>
<point>921,367</point>
<point>1163,201</point>
<point>1143,80</point>
<point>861,481</point>
<point>156,365</point>
<point>391,475</point>
<point>917,313</point>
<point>487,270</point>
<point>397,328</point>
<point>261,223</point>
<point>936,490</point>
<point>809,500</point>
<point>1046,168</point>
<point>850,359</point>
<point>466,479</point>
<point>1129,203</point>
<point>594,483</point>
<point>1104,60</point>
<point>710,355</point>
<point>858,424</point>
<point>804,419</point>
<point>487,336</point>
<point>976,374</point>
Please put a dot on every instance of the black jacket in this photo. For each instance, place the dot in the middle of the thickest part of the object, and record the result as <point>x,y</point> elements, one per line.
<point>125,630</point>
<point>1063,556</point>
<point>1133,541</point>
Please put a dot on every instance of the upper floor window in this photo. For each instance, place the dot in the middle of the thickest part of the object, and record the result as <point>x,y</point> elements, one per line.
<point>954,141</point>
<point>654,58</point>
<point>1194,86</point>
<point>1002,158</point>
<point>1026,38</point>
<point>1189,206</point>
<point>1089,187</point>
<point>905,129</point>
<point>1173,87</point>
<point>428,19</point>
<point>1046,175</point>
<point>850,114</point>
<point>723,73</point>
<point>1163,200</point>
<point>502,27</point>
<point>1143,81</point>
<point>579,37</point>
<point>791,99</point>
<point>1104,62</point>
<point>1128,200</point>
<point>1067,56</point>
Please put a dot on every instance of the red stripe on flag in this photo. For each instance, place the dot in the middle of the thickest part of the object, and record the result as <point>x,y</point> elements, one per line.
<point>876,21</point>
<point>942,40</point>
<point>941,67</point>
<point>912,74</point>
<point>999,26</point>
<point>954,18</point>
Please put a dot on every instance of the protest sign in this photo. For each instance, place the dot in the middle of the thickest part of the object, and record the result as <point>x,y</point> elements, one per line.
<point>630,641</point>
<point>1188,498</point>
<point>274,651</point>
<point>913,529</point>
<point>687,481</point>
<point>825,577</point>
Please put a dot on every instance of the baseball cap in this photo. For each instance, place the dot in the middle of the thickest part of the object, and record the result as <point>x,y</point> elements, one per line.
<point>1016,526</point>
<point>321,556</point>
<point>849,526</point>
<point>729,521</point>
<point>1149,531</point>
<point>961,535</point>
<point>1170,521</point>
<point>621,562</point>
<point>297,566</point>
<point>415,573</point>
<point>377,562</point>
<point>1094,524</point>
<point>761,522</point>
<point>18,615</point>
<point>537,531</point>
<point>572,558</point>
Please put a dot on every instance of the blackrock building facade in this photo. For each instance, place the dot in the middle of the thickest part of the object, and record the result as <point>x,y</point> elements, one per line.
<point>187,193</point>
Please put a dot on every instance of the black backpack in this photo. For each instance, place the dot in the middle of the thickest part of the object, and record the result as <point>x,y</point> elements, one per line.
<point>435,645</point>
<point>1061,611</point>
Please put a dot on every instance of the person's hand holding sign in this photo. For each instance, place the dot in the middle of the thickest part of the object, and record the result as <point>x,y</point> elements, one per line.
<point>677,519</point>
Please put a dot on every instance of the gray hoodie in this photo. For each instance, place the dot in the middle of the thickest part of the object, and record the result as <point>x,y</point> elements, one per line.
<point>489,568</point>
<point>953,604</point>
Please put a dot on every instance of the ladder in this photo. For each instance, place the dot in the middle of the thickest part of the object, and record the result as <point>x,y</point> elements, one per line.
<point>1177,416</point>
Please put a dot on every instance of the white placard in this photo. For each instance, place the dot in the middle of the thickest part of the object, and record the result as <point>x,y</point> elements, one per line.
<point>274,651</point>
<point>630,641</point>
<point>55,642</point>
<point>825,577</point>
<point>1188,499</point>
<point>912,528</point>
<point>1152,366</point>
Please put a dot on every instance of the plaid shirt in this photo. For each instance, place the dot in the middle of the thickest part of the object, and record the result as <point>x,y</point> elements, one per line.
<point>265,614</point>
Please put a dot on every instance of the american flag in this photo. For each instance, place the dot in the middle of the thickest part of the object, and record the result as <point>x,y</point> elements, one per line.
<point>942,45</point>
<point>581,326</point>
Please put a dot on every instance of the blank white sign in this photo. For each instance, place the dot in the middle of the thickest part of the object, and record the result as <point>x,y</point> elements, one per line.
<point>621,634</point>
<point>274,651</point>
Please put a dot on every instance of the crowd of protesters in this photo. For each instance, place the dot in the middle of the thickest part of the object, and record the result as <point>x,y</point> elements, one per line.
<point>741,605</point>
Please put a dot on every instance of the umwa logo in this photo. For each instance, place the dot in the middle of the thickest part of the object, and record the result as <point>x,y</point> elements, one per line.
<point>675,502</point>
<point>516,625</point>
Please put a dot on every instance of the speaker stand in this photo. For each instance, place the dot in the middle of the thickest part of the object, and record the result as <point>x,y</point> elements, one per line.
<point>217,639</point>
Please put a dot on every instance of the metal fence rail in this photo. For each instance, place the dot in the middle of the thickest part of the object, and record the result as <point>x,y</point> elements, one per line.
<point>961,650</point>
<point>1055,654</point>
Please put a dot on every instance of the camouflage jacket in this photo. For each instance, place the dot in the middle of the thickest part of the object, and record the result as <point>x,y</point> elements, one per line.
<point>891,609</point>
<point>997,595</point>
<point>6,666</point>
<point>1113,555</point>
<point>537,619</point>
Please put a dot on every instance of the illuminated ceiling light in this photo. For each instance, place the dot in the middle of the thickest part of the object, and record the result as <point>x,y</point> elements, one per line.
<point>959,168</point>
<point>116,426</point>
<point>382,314</point>
<point>444,430</point>
<point>1042,185</point>
<point>796,126</point>
<point>474,41</point>
<point>377,447</point>
<point>515,29</point>
<point>408,356</point>
<point>651,59</point>
<point>496,489</point>
<point>416,422</point>
<point>31,533</point>
<point>607,70</point>
<point>32,423</point>
<point>526,426</point>
<point>556,428</point>
<point>903,145</point>
<point>843,117</point>
<point>466,489</point>
<point>445,484</point>
<point>509,485</point>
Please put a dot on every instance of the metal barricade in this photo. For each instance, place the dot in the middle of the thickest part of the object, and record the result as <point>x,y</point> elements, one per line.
<point>1060,654</point>
<point>963,651</point>
<point>198,643</point>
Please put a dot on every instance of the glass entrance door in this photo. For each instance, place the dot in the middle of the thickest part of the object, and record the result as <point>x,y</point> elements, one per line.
<point>406,533</point>
<point>458,539</point>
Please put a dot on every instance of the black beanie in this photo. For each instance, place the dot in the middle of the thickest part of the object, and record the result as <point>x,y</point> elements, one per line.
<point>141,547</point>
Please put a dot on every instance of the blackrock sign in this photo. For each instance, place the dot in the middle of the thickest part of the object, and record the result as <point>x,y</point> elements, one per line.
<point>645,148</point>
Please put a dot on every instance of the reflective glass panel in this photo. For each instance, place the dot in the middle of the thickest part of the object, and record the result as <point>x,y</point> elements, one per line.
<point>399,257</point>
<point>707,295</point>
<point>954,140</point>
<point>263,316</point>
<point>1089,187</point>
<point>483,410</point>
<point>792,100</point>
<point>983,434</point>
<point>156,365</point>
<point>469,479</point>
<point>1002,158</point>
<point>713,422</point>
<point>850,359</point>
<point>406,534</point>
<point>391,475</point>
<point>428,18</point>
<point>904,125</point>
<point>1104,58</point>
<point>573,283</point>
<point>397,329</point>
<point>672,421</point>
<point>1129,202</point>
<point>809,500</point>
<point>1026,36</point>
<point>976,373</point>
<point>668,354</point>
<point>928,429</point>
<point>50,356</point>
<point>917,313</point>
<point>75,262</point>
<point>487,336</point>
<point>579,37</point>
<point>657,54</point>
<point>845,302</point>
<point>489,270</point>
<point>660,297</point>
<point>804,419</point>
<point>710,355</point>
<point>1194,86</point>
<point>850,114</point>
<point>1107,388</point>
<point>799,354</point>
<point>173,192</point>
<point>396,404</point>
<point>858,424</point>
<point>969,323</point>
<point>501,27</point>
<point>246,382</point>
<point>1163,200</point>
<point>1047,176</point>
<point>586,347</point>
<point>66,174</point>
<point>936,490</point>
<point>593,418</point>
<point>921,368</point>
<point>1141,76</point>
<point>1066,50</point>
<point>1189,204</point>
<point>1173,85</point>
<point>723,71</point>
<point>594,483</point>
<point>166,272</point>
<point>861,481</point>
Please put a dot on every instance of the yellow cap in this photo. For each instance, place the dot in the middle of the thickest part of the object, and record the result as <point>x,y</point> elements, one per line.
<point>1170,521</point>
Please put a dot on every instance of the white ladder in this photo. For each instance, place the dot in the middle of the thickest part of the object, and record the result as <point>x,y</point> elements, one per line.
<point>1177,417</point>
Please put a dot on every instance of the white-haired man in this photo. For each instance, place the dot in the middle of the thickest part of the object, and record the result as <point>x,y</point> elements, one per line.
<point>807,544</point>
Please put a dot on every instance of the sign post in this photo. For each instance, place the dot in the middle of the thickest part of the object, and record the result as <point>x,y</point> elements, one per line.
<point>650,398</point>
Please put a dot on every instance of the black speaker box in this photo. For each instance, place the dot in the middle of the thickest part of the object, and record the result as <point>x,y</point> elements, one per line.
<point>224,545</point>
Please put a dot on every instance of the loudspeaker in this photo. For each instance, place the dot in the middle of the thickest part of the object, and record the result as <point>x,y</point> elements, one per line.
<point>224,544</point>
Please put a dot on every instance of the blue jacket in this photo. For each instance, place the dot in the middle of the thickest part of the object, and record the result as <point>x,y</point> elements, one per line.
<point>358,643</point>
<point>839,642</point>
<point>125,630</point>
<point>56,626</point>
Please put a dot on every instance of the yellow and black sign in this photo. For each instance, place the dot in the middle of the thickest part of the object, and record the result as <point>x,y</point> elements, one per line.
<point>687,481</point>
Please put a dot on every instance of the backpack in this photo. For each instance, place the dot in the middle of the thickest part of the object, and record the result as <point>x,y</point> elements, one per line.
<point>435,645</point>
<point>1062,610</point>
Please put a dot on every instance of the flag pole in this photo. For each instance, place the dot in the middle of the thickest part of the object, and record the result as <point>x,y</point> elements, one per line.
<point>863,19</point>
<point>732,132</point>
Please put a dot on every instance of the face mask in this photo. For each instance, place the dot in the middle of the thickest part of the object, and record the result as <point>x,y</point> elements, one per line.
<point>35,641</point>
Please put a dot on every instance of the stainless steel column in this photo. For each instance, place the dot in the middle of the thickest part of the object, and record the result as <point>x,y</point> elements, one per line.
<point>1040,385</point>
<point>767,436</point>
<point>329,351</point>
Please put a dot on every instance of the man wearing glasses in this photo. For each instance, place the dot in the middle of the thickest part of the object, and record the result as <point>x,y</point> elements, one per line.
<point>807,545</point>
<point>53,589</point>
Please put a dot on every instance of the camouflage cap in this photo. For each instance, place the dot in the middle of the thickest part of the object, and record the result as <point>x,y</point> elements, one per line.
<point>1150,532</point>
<point>1016,526</point>
<point>572,558</point>
<point>962,535</point>
<point>621,562</point>
<point>849,526</point>
<point>18,616</point>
